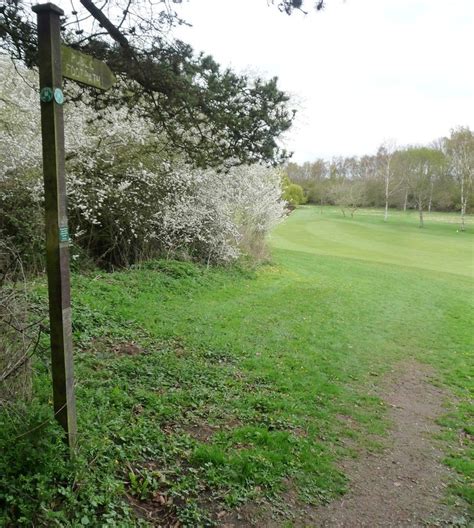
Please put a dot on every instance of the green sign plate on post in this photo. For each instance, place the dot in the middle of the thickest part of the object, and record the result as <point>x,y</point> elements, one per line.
<point>85,69</point>
<point>63,234</point>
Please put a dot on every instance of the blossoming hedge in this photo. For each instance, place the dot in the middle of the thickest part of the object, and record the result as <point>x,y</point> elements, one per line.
<point>129,197</point>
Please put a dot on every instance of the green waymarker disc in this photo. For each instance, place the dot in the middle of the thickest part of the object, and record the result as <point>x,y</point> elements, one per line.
<point>46,94</point>
<point>58,96</point>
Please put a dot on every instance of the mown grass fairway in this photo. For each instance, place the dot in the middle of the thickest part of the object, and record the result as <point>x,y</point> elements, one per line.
<point>437,247</point>
<point>243,384</point>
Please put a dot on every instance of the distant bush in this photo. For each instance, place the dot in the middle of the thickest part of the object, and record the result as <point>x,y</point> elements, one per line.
<point>293,193</point>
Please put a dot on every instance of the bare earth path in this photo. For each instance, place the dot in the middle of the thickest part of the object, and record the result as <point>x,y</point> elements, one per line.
<point>404,485</point>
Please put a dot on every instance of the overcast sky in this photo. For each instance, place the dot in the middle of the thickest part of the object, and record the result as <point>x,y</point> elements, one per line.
<point>360,71</point>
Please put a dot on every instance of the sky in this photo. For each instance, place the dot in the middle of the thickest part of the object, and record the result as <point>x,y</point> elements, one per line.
<point>360,72</point>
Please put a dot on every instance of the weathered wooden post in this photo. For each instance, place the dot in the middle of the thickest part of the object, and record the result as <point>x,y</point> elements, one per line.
<point>57,234</point>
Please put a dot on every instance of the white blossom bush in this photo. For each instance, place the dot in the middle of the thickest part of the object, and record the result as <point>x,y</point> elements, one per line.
<point>129,199</point>
<point>217,214</point>
<point>124,216</point>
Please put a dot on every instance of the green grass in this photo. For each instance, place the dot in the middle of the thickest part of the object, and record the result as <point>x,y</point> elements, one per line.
<point>249,381</point>
<point>440,246</point>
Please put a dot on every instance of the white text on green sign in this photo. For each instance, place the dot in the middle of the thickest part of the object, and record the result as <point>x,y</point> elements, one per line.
<point>85,69</point>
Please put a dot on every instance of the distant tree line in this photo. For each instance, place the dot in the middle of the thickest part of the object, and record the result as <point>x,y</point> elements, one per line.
<point>436,177</point>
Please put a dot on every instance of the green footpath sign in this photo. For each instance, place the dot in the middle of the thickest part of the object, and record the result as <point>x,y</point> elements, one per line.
<point>85,69</point>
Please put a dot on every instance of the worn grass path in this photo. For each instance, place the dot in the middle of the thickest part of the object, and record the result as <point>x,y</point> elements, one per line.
<point>205,394</point>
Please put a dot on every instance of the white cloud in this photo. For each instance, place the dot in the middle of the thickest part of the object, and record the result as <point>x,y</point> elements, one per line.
<point>362,70</point>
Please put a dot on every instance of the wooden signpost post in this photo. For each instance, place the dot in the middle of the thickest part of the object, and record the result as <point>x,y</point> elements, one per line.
<point>87,70</point>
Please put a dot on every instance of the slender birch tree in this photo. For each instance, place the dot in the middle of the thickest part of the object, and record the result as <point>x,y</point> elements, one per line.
<point>460,152</point>
<point>385,156</point>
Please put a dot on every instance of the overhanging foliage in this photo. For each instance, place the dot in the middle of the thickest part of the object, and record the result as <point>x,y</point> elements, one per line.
<point>211,115</point>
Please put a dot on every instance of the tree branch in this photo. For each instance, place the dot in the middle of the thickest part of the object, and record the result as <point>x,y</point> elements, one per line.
<point>112,30</point>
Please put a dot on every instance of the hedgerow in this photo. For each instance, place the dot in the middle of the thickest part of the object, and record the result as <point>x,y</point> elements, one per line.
<point>129,198</point>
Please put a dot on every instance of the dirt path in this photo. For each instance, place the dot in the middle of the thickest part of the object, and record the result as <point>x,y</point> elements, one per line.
<point>404,485</point>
